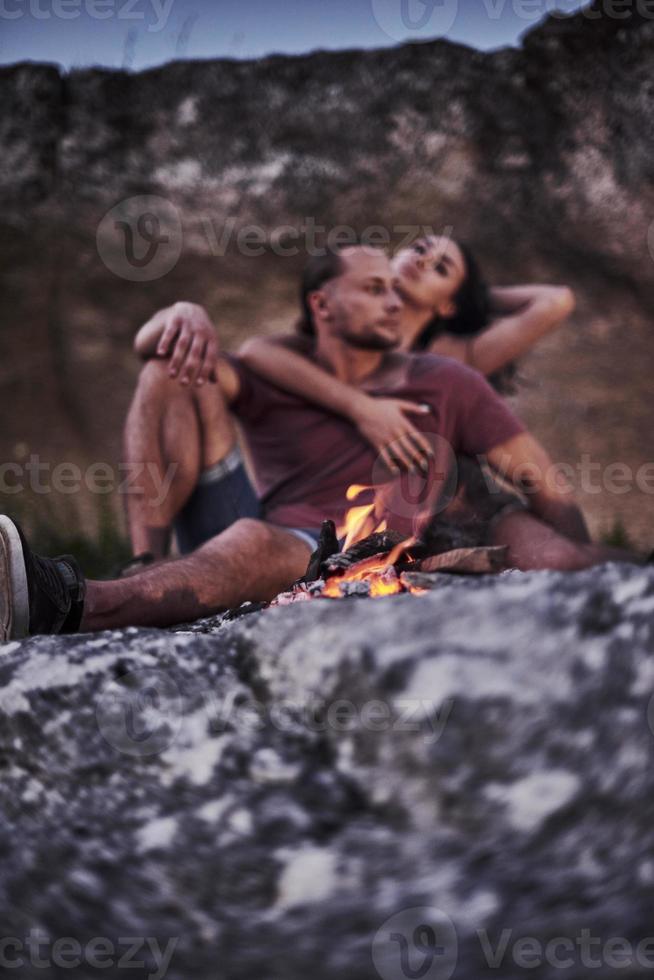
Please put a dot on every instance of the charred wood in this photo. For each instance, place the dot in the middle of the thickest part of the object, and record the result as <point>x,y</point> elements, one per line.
<point>375,544</point>
<point>328,545</point>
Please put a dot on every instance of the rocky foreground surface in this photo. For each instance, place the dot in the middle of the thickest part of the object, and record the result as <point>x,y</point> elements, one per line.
<point>403,787</point>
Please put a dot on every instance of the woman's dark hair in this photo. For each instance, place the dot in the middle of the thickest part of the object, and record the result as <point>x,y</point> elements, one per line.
<point>472,306</point>
<point>472,315</point>
<point>318,270</point>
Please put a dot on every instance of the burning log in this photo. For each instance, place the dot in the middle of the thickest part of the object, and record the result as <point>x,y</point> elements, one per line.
<point>328,545</point>
<point>466,561</point>
<point>374,545</point>
<point>383,563</point>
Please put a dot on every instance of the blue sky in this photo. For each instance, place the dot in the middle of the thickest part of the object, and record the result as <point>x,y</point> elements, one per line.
<point>141,33</point>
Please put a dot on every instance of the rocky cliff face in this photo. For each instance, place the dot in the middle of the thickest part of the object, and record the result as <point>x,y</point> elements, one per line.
<point>436,786</point>
<point>540,156</point>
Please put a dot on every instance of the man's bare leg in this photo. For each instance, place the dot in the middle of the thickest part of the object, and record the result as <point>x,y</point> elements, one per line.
<point>251,560</point>
<point>172,433</point>
<point>534,545</point>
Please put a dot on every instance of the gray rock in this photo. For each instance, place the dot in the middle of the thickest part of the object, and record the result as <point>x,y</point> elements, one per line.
<point>305,790</point>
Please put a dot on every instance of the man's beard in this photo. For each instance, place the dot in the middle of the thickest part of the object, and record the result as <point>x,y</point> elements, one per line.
<point>370,341</point>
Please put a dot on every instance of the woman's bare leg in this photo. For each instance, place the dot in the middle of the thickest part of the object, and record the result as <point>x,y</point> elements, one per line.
<point>251,560</point>
<point>172,433</point>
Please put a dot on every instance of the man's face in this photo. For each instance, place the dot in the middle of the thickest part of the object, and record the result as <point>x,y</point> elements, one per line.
<point>362,307</point>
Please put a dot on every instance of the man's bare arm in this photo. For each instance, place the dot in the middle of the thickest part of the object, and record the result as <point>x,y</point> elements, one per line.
<point>185,334</point>
<point>525,463</point>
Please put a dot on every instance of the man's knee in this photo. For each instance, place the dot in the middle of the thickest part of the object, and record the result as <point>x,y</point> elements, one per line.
<point>257,537</point>
<point>155,378</point>
<point>251,525</point>
<point>255,530</point>
<point>156,384</point>
<point>251,560</point>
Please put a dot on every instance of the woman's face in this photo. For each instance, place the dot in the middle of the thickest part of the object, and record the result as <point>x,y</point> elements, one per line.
<point>430,273</point>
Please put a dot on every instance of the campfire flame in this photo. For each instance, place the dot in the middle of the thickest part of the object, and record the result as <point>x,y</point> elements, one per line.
<point>359,522</point>
<point>379,572</point>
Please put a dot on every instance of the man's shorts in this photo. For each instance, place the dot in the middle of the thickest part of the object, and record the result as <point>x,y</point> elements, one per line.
<point>224,494</point>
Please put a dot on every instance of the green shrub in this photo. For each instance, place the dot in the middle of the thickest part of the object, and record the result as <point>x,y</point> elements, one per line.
<point>617,537</point>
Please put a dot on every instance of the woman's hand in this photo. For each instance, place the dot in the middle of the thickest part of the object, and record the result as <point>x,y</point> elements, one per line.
<point>384,423</point>
<point>190,341</point>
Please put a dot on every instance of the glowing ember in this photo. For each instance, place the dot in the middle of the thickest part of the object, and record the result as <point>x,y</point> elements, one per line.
<point>376,571</point>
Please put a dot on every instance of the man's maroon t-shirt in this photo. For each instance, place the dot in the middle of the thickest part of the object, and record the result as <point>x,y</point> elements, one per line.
<point>306,457</point>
